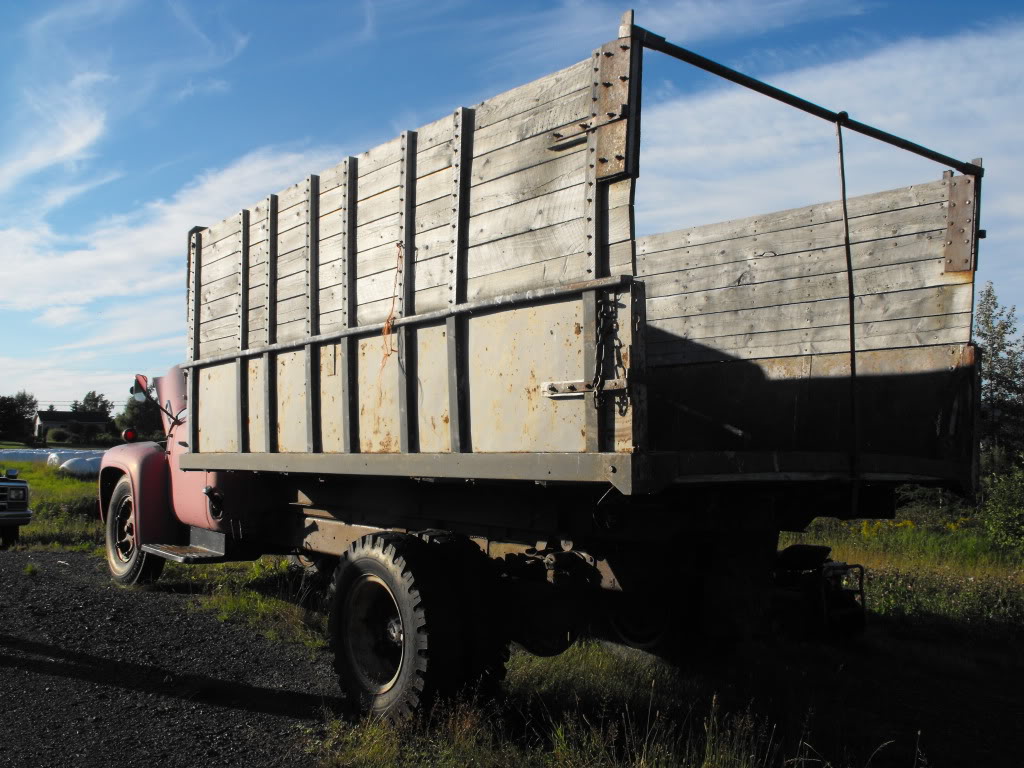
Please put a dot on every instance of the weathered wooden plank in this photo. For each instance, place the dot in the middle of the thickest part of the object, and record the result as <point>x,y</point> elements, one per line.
<point>898,277</point>
<point>379,181</point>
<point>222,229</point>
<point>888,334</point>
<point>434,185</point>
<point>218,329</point>
<point>527,248</point>
<point>435,213</point>
<point>533,94</point>
<point>214,310</point>
<point>292,330</point>
<point>432,135</point>
<point>292,263</point>
<point>291,286</point>
<point>383,284</point>
<point>381,258</point>
<point>519,157</point>
<point>222,249</point>
<point>291,242</point>
<point>890,200</point>
<point>291,196</point>
<point>220,269</point>
<point>558,173</point>
<point>220,346</point>
<point>556,271</point>
<point>375,233</point>
<point>218,289</point>
<point>257,274</point>
<point>874,253</point>
<point>258,252</point>
<point>294,216</point>
<point>379,157</point>
<point>529,215</point>
<point>437,158</point>
<point>922,302</point>
<point>546,117</point>
<point>877,227</point>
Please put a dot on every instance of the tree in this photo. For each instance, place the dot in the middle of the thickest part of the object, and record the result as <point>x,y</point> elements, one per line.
<point>144,417</point>
<point>17,413</point>
<point>93,403</point>
<point>1002,377</point>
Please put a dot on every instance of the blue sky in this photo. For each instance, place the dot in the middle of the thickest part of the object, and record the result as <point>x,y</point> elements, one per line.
<point>125,122</point>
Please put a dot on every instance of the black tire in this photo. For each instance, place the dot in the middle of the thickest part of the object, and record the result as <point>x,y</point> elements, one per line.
<point>9,535</point>
<point>127,563</point>
<point>392,627</point>
<point>472,575</point>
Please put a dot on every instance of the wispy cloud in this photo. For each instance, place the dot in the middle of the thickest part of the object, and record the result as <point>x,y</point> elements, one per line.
<point>573,25</point>
<point>139,253</point>
<point>205,87</point>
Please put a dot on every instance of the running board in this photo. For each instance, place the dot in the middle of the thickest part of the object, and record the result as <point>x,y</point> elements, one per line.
<point>204,547</point>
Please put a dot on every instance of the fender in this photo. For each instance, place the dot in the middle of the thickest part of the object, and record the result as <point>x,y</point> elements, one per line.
<point>145,465</point>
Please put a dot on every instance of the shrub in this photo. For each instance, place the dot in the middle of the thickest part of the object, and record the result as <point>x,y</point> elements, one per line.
<point>1003,512</point>
<point>58,436</point>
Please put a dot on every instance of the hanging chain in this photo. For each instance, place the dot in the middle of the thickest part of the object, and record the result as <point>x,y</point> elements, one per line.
<point>607,328</point>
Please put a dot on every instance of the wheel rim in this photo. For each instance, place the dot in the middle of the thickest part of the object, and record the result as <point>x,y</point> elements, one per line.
<point>124,531</point>
<point>374,634</point>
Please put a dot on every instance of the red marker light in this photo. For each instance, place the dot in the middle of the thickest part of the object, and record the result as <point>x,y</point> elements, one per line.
<point>128,435</point>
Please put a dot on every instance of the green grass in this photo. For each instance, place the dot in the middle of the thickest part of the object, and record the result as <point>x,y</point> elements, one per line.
<point>265,595</point>
<point>66,509</point>
<point>921,577</point>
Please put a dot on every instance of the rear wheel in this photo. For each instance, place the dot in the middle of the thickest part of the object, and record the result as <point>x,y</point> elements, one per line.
<point>472,577</point>
<point>392,627</point>
<point>127,562</point>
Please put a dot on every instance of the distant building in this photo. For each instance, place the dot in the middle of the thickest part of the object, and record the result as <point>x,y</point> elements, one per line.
<point>47,420</point>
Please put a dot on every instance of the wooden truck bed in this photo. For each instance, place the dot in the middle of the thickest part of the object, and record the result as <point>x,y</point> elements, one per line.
<point>469,300</point>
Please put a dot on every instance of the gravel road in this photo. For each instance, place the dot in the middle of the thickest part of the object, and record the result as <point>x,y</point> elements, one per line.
<point>95,675</point>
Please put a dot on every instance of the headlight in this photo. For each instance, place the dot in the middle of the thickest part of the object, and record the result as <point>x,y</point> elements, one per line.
<point>16,494</point>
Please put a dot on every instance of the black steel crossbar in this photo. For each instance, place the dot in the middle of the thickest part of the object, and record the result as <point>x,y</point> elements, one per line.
<point>658,43</point>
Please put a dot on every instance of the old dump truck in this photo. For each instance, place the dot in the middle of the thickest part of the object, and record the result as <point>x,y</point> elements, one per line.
<point>448,372</point>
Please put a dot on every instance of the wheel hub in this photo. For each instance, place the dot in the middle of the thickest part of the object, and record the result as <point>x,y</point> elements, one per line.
<point>124,529</point>
<point>374,634</point>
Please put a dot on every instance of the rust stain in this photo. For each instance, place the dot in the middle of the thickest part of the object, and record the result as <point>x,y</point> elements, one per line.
<point>578,329</point>
<point>444,418</point>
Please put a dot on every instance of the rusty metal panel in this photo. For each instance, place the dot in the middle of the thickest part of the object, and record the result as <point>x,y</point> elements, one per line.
<point>510,354</point>
<point>256,422</point>
<point>331,392</point>
<point>218,417</point>
<point>291,402</point>
<point>377,384</point>
<point>962,223</point>
<point>432,389</point>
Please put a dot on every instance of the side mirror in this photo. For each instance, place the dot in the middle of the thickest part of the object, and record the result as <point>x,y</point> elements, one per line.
<point>139,388</point>
<point>12,473</point>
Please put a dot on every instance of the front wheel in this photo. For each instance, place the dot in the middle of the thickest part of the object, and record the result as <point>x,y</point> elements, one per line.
<point>8,536</point>
<point>127,562</point>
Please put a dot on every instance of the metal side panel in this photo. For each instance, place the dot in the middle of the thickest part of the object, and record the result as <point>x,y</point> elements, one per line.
<point>626,471</point>
<point>511,354</point>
